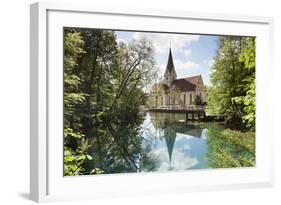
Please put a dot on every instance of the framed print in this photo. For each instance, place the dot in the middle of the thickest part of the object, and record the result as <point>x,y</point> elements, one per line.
<point>127,102</point>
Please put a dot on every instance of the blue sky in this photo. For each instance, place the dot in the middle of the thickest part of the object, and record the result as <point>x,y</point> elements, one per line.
<point>192,54</point>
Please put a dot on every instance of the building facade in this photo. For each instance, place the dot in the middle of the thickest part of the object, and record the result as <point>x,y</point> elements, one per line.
<point>173,93</point>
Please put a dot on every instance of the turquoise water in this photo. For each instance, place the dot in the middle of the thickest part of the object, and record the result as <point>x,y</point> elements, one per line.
<point>150,142</point>
<point>175,144</point>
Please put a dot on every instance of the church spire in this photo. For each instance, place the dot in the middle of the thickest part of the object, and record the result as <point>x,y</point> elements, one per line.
<point>170,73</point>
<point>170,64</point>
<point>170,138</point>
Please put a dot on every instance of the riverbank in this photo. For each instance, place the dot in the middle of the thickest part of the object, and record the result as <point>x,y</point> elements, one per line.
<point>230,148</point>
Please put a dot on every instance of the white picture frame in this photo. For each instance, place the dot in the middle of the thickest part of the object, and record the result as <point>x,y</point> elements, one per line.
<point>46,179</point>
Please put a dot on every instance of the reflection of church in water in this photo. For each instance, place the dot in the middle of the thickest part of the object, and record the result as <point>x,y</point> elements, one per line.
<point>170,138</point>
<point>170,128</point>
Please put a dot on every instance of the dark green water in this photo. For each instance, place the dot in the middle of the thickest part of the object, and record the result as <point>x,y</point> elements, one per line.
<point>151,142</point>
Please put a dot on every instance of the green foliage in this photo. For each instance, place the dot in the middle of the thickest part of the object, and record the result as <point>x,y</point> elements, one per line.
<point>174,93</point>
<point>73,49</point>
<point>137,72</point>
<point>233,78</point>
<point>213,107</point>
<point>228,148</point>
<point>97,171</point>
<point>105,83</point>
<point>75,146</point>
<point>250,105</point>
<point>104,86</point>
<point>248,55</point>
<point>75,152</point>
<point>154,97</point>
<point>198,100</point>
<point>249,100</point>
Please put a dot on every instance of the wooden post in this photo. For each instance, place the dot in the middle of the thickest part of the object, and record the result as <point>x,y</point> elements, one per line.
<point>204,114</point>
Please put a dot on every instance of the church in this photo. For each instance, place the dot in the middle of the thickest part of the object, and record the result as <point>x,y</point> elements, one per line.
<point>172,93</point>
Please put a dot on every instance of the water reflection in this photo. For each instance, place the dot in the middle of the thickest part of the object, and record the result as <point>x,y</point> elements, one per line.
<point>149,142</point>
<point>174,144</point>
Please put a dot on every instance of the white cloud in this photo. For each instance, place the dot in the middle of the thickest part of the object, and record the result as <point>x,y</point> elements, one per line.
<point>183,68</point>
<point>187,52</point>
<point>162,41</point>
<point>181,136</point>
<point>180,161</point>
<point>186,147</point>
<point>183,65</point>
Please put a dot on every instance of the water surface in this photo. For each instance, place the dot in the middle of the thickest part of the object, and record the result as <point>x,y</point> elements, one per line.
<point>151,141</point>
<point>175,144</point>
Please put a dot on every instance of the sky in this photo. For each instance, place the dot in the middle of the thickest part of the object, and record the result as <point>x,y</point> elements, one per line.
<point>192,54</point>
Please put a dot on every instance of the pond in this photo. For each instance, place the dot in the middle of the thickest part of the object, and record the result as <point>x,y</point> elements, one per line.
<point>175,144</point>
<point>154,141</point>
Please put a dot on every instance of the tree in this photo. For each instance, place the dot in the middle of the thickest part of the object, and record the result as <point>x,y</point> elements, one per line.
<point>73,49</point>
<point>228,77</point>
<point>198,100</point>
<point>249,100</point>
<point>75,152</point>
<point>155,96</point>
<point>174,92</point>
<point>75,144</point>
<point>136,70</point>
<point>104,86</point>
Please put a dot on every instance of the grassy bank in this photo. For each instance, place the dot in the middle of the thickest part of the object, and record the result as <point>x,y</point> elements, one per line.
<point>230,148</point>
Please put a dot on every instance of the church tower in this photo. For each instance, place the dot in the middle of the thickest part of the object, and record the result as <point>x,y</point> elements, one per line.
<point>170,73</point>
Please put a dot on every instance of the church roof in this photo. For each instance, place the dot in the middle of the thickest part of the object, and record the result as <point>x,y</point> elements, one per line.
<point>193,79</point>
<point>184,85</point>
<point>170,65</point>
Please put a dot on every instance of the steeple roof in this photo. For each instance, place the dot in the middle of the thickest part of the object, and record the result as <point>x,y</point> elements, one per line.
<point>170,65</point>
<point>170,138</point>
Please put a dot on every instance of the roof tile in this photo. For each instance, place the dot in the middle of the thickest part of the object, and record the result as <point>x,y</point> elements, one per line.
<point>184,85</point>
